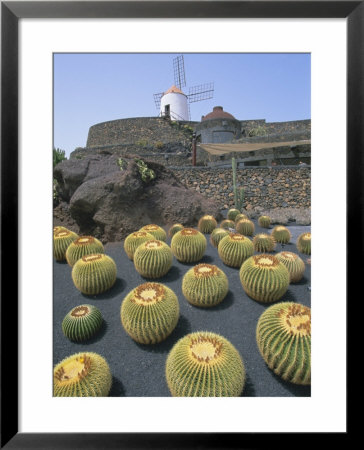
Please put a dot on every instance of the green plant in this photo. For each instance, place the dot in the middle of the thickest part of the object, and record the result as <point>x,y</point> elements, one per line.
<point>94,274</point>
<point>146,173</point>
<point>258,131</point>
<point>264,221</point>
<point>217,235</point>
<point>153,259</point>
<point>303,243</point>
<point>281,234</point>
<point>149,313</point>
<point>156,231</point>
<point>205,285</point>
<point>61,240</point>
<point>142,143</point>
<point>122,163</point>
<point>295,265</point>
<point>205,364</point>
<point>234,249</point>
<point>83,374</point>
<point>264,278</point>
<point>227,223</point>
<point>82,323</point>
<point>58,156</point>
<point>174,229</point>
<point>263,243</point>
<point>284,340</point>
<point>83,245</point>
<point>188,245</point>
<point>245,227</point>
<point>159,145</point>
<point>207,224</point>
<point>133,240</point>
<point>238,193</point>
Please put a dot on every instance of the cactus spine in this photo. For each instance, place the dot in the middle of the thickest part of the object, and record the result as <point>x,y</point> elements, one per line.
<point>84,245</point>
<point>227,223</point>
<point>81,323</point>
<point>234,249</point>
<point>264,278</point>
<point>205,285</point>
<point>61,240</point>
<point>245,227</point>
<point>188,245</point>
<point>205,364</point>
<point>263,243</point>
<point>94,274</point>
<point>82,375</point>
<point>207,224</point>
<point>149,313</point>
<point>156,231</point>
<point>284,341</point>
<point>264,221</point>
<point>295,265</point>
<point>304,243</point>
<point>174,229</point>
<point>217,235</point>
<point>240,216</point>
<point>133,240</point>
<point>281,234</point>
<point>153,259</point>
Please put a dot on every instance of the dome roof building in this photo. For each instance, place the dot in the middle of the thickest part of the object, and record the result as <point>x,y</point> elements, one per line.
<point>218,126</point>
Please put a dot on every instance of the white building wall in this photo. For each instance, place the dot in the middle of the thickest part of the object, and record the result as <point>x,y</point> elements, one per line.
<point>178,106</point>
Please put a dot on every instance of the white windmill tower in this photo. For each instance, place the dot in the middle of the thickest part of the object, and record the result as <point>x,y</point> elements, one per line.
<point>174,103</point>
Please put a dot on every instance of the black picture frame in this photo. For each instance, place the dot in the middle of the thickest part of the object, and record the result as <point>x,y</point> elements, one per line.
<point>11,12</point>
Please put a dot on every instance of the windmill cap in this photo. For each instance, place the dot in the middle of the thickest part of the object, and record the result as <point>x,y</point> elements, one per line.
<point>218,113</point>
<point>174,89</point>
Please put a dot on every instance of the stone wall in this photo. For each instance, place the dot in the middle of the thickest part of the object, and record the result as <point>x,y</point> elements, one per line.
<point>276,187</point>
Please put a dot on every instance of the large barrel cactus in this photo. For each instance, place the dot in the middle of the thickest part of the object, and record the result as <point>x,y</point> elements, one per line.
<point>217,235</point>
<point>133,240</point>
<point>82,323</point>
<point>156,231</point>
<point>94,274</point>
<point>304,243</point>
<point>245,227</point>
<point>240,217</point>
<point>149,313</point>
<point>263,243</point>
<point>207,224</point>
<point>83,374</point>
<point>153,259</point>
<point>188,245</point>
<point>205,285</point>
<point>232,213</point>
<point>174,229</point>
<point>62,239</point>
<point>264,278</point>
<point>205,364</point>
<point>84,245</point>
<point>234,249</point>
<point>284,340</point>
<point>281,234</point>
<point>264,221</point>
<point>58,228</point>
<point>295,265</point>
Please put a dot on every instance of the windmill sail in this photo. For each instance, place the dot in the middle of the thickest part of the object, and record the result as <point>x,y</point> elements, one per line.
<point>179,71</point>
<point>201,92</point>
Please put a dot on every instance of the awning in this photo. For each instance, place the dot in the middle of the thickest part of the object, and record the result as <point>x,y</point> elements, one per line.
<point>221,149</point>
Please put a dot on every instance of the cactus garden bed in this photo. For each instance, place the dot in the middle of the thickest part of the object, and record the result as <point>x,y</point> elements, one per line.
<point>139,369</point>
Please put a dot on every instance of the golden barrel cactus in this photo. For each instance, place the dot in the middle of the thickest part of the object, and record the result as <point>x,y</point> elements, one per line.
<point>133,240</point>
<point>188,245</point>
<point>207,224</point>
<point>153,259</point>
<point>234,249</point>
<point>304,243</point>
<point>156,231</point>
<point>84,245</point>
<point>62,239</point>
<point>295,265</point>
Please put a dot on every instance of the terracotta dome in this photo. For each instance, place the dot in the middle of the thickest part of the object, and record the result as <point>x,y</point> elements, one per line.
<point>218,113</point>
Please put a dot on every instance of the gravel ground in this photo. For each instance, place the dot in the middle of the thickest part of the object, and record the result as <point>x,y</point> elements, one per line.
<point>138,370</point>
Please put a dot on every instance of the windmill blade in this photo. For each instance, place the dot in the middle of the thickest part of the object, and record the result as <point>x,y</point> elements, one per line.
<point>179,72</point>
<point>201,92</point>
<point>157,99</point>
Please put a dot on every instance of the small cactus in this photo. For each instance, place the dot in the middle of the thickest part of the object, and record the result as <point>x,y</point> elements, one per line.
<point>207,224</point>
<point>133,240</point>
<point>84,245</point>
<point>295,265</point>
<point>240,216</point>
<point>61,240</point>
<point>245,227</point>
<point>217,235</point>
<point>204,364</point>
<point>284,340</point>
<point>188,245</point>
<point>227,223</point>
<point>205,285</point>
<point>234,249</point>
<point>94,274</point>
<point>83,374</point>
<point>264,221</point>
<point>156,231</point>
<point>264,278</point>
<point>281,234</point>
<point>174,229</point>
<point>149,313</point>
<point>59,228</point>
<point>82,323</point>
<point>263,243</point>
<point>153,259</point>
<point>232,213</point>
<point>304,243</point>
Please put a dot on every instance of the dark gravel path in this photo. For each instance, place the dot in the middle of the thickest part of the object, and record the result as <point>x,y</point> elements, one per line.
<point>138,370</point>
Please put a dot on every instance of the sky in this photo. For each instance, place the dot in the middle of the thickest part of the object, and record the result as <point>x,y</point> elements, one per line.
<point>93,88</point>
